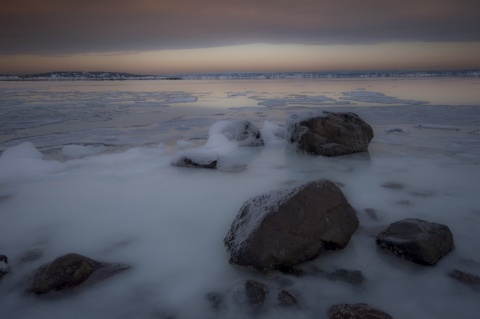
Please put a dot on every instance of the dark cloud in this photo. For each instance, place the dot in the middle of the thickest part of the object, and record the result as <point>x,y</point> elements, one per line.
<point>81,26</point>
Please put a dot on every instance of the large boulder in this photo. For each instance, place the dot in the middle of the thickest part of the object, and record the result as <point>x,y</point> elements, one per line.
<point>329,134</point>
<point>356,311</point>
<point>285,227</point>
<point>71,270</point>
<point>417,240</point>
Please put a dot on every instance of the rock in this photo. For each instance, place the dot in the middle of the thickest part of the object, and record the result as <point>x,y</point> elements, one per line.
<point>356,311</point>
<point>198,158</point>
<point>30,255</point>
<point>329,134</point>
<point>4,267</point>
<point>285,227</point>
<point>71,270</point>
<point>242,132</point>
<point>287,299</point>
<point>256,293</point>
<point>354,277</point>
<point>417,240</point>
<point>466,278</point>
<point>215,299</point>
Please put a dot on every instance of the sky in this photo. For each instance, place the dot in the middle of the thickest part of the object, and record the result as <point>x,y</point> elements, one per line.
<point>190,36</point>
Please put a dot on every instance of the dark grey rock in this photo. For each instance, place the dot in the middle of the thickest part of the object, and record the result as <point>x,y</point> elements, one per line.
<point>4,267</point>
<point>329,134</point>
<point>215,299</point>
<point>197,158</point>
<point>71,270</point>
<point>417,240</point>
<point>30,255</point>
<point>393,185</point>
<point>466,278</point>
<point>287,299</point>
<point>356,311</point>
<point>354,277</point>
<point>285,227</point>
<point>256,293</point>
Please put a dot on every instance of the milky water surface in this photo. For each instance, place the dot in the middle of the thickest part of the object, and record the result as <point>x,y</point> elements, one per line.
<point>86,168</point>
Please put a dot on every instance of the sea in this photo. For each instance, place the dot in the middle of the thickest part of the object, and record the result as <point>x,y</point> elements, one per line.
<point>86,168</point>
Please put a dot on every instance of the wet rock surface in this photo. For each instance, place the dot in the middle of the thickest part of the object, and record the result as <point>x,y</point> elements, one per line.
<point>417,240</point>
<point>283,228</point>
<point>71,270</point>
<point>329,134</point>
<point>356,311</point>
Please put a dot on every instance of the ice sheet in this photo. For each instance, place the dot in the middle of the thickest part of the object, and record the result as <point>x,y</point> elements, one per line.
<point>126,203</point>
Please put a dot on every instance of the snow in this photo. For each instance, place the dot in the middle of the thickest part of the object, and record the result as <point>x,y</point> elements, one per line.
<point>100,183</point>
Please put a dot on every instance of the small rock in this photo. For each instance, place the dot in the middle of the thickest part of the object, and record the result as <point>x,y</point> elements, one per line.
<point>287,299</point>
<point>197,158</point>
<point>215,299</point>
<point>354,277</point>
<point>30,255</point>
<point>71,270</point>
<point>356,311</point>
<point>393,185</point>
<point>417,240</point>
<point>256,293</point>
<point>4,267</point>
<point>371,213</point>
<point>466,278</point>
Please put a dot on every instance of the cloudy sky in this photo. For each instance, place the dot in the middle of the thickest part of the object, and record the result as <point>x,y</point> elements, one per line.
<point>182,36</point>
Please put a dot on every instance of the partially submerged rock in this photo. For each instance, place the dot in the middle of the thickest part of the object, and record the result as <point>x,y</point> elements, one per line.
<point>466,278</point>
<point>256,293</point>
<point>71,270</point>
<point>417,240</point>
<point>198,158</point>
<point>287,299</point>
<point>329,134</point>
<point>4,267</point>
<point>242,132</point>
<point>356,311</point>
<point>285,227</point>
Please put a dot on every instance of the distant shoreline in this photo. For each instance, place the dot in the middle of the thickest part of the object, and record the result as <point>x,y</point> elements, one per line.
<point>116,76</point>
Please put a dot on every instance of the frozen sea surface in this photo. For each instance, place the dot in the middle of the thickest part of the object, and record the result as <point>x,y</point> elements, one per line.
<point>85,167</point>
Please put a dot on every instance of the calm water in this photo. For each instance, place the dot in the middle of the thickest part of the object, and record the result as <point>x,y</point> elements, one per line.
<point>86,168</point>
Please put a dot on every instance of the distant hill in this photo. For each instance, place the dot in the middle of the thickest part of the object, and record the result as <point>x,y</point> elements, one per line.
<point>117,76</point>
<point>84,76</point>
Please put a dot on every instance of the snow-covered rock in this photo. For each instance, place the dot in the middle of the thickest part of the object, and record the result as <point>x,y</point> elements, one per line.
<point>240,132</point>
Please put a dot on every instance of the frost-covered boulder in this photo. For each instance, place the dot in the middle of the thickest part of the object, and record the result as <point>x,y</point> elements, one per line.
<point>285,227</point>
<point>356,311</point>
<point>417,240</point>
<point>199,158</point>
<point>71,270</point>
<point>241,132</point>
<point>329,134</point>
